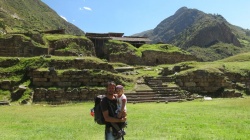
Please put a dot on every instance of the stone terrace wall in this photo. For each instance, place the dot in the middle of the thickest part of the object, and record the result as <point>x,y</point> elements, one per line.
<point>18,45</point>
<point>151,58</point>
<point>6,84</point>
<point>70,78</point>
<point>9,62</point>
<point>208,83</point>
<point>81,46</point>
<point>236,77</point>
<point>65,95</point>
<point>70,85</point>
<point>127,58</point>
<point>201,81</point>
<point>156,57</point>
<point>80,63</point>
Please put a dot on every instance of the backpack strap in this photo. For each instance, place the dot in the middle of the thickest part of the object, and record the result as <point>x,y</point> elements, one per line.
<point>115,125</point>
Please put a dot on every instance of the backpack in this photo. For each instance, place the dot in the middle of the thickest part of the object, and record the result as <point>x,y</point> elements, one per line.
<point>98,117</point>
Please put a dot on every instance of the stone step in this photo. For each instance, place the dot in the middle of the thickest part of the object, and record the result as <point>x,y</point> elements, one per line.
<point>152,94</point>
<point>136,96</point>
<point>167,95</point>
<point>153,98</point>
<point>141,93</point>
<point>164,88</point>
<point>158,91</point>
<point>163,79</point>
<point>141,96</point>
<point>4,103</point>
<point>167,91</point>
<point>148,100</point>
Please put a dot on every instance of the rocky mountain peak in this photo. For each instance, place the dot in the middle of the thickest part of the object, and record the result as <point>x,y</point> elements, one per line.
<point>189,28</point>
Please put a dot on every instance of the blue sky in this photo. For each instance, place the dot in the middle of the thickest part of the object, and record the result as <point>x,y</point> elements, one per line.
<point>134,16</point>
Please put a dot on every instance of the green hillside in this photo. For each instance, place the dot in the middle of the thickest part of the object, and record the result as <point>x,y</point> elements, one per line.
<point>243,57</point>
<point>31,15</point>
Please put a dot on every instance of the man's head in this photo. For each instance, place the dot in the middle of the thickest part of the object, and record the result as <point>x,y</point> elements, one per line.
<point>111,88</point>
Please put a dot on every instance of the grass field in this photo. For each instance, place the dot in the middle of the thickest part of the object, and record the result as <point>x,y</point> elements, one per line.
<point>219,119</point>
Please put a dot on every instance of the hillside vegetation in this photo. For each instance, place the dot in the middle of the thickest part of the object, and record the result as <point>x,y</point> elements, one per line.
<point>31,15</point>
<point>118,47</point>
<point>162,48</point>
<point>243,57</point>
<point>239,64</point>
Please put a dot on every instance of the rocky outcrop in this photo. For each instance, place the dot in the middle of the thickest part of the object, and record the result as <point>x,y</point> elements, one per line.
<point>211,35</point>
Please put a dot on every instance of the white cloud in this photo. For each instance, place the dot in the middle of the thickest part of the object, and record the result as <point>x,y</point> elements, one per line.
<point>86,8</point>
<point>64,18</point>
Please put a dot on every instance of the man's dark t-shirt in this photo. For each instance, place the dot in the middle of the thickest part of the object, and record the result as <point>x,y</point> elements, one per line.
<point>111,106</point>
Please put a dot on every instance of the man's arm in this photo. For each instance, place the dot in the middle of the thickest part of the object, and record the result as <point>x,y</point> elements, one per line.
<point>112,119</point>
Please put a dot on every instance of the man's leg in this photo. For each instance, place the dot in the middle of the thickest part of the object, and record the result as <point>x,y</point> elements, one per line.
<point>109,135</point>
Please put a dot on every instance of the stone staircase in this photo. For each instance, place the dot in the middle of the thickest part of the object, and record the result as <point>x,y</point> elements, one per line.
<point>155,89</point>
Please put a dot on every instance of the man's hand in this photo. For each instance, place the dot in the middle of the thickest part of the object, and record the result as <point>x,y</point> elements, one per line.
<point>123,119</point>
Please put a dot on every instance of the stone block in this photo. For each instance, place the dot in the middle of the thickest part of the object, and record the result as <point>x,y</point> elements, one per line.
<point>56,79</point>
<point>40,79</point>
<point>190,84</point>
<point>42,84</point>
<point>64,84</point>
<point>6,85</point>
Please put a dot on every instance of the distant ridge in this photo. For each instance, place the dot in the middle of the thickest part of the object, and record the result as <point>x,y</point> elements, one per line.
<point>191,28</point>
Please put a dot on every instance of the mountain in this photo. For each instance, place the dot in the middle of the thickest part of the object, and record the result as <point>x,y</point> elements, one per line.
<point>208,36</point>
<point>31,15</point>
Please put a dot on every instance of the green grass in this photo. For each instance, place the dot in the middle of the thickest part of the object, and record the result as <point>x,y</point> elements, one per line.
<point>240,66</point>
<point>162,47</point>
<point>5,95</point>
<point>238,58</point>
<point>55,37</point>
<point>216,52</point>
<point>219,119</point>
<point>116,47</point>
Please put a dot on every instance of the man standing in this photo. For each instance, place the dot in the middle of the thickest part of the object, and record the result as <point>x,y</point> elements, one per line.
<point>109,106</point>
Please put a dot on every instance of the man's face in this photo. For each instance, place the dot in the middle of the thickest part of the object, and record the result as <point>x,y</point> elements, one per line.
<point>111,89</point>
